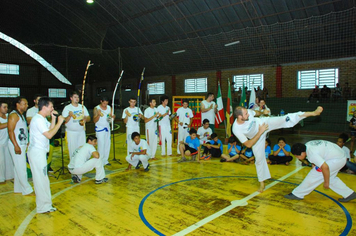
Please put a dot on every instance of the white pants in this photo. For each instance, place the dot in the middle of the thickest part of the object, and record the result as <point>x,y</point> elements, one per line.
<point>21,184</point>
<point>129,131</point>
<point>286,121</point>
<point>151,137</point>
<point>182,135</point>
<point>4,152</point>
<point>165,134</point>
<point>9,164</point>
<point>136,158</point>
<point>104,144</point>
<point>75,139</point>
<point>38,162</point>
<point>315,178</point>
<point>88,166</point>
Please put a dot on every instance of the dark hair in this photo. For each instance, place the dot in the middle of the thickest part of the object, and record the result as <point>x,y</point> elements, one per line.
<point>238,111</point>
<point>91,138</point>
<point>232,139</point>
<point>36,96</point>
<point>185,101</point>
<point>17,100</point>
<point>2,102</point>
<point>281,138</point>
<point>163,97</point>
<point>261,99</point>
<point>44,101</point>
<point>192,131</point>
<point>213,135</point>
<point>268,141</point>
<point>206,121</point>
<point>132,98</point>
<point>209,94</point>
<point>104,99</point>
<point>134,134</point>
<point>344,137</point>
<point>150,100</point>
<point>74,92</point>
<point>298,148</point>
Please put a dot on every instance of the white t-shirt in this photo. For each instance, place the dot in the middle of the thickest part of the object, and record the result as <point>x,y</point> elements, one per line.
<point>133,120</point>
<point>81,155</point>
<point>32,111</point>
<point>73,124</point>
<point>210,115</point>
<point>184,115</point>
<point>262,110</point>
<point>103,120</point>
<point>4,135</point>
<point>319,151</point>
<point>38,126</point>
<point>248,129</point>
<point>347,152</point>
<point>204,134</point>
<point>139,147</point>
<point>149,112</point>
<point>165,120</point>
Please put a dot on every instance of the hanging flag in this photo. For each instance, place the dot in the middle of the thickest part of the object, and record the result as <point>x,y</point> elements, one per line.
<point>252,102</point>
<point>243,97</point>
<point>229,115</point>
<point>220,116</point>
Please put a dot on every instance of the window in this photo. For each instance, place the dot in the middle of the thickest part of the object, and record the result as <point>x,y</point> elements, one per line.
<point>250,81</point>
<point>156,88</point>
<point>9,69</point>
<point>308,79</point>
<point>199,85</point>
<point>6,92</point>
<point>57,93</point>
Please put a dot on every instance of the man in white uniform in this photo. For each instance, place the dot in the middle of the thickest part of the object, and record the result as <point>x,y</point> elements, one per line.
<point>31,112</point>
<point>102,119</point>
<point>81,162</point>
<point>165,132</point>
<point>18,134</point>
<point>151,114</point>
<point>327,159</point>
<point>131,116</point>
<point>251,133</point>
<point>139,153</point>
<point>41,131</point>
<point>74,120</point>
<point>6,164</point>
<point>208,110</point>
<point>184,119</point>
<point>204,132</point>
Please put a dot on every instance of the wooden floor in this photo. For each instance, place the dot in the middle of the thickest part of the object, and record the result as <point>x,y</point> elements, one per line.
<point>205,198</point>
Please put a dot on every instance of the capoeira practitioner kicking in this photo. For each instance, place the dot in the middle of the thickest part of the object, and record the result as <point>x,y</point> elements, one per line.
<point>18,134</point>
<point>41,131</point>
<point>327,159</point>
<point>251,132</point>
<point>139,153</point>
<point>74,120</point>
<point>81,162</point>
<point>102,118</point>
<point>151,114</point>
<point>184,119</point>
<point>165,132</point>
<point>6,164</point>
<point>131,116</point>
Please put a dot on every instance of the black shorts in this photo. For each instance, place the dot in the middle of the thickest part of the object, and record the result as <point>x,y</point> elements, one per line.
<point>192,150</point>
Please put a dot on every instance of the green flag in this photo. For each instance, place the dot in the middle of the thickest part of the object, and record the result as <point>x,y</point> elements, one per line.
<point>243,101</point>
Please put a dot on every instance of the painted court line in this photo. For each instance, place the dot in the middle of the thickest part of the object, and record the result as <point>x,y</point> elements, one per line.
<point>233,205</point>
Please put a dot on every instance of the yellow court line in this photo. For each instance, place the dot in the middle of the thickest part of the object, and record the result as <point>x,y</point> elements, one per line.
<point>234,204</point>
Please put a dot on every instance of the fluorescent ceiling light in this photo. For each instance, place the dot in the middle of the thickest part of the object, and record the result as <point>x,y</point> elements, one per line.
<point>90,1</point>
<point>176,52</point>
<point>232,43</point>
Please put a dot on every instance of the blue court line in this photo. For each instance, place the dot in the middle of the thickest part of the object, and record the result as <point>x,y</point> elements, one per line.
<point>144,220</point>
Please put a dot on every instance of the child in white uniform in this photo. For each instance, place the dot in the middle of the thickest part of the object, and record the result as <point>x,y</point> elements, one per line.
<point>204,132</point>
<point>165,132</point>
<point>139,152</point>
<point>151,115</point>
<point>184,119</point>
<point>6,164</point>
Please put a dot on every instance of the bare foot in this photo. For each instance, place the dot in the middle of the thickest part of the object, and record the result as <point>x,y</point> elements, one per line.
<point>318,111</point>
<point>154,158</point>
<point>128,168</point>
<point>262,187</point>
<point>268,162</point>
<point>287,163</point>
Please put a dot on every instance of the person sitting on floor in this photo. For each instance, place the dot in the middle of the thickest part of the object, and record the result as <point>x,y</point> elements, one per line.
<point>234,149</point>
<point>204,132</point>
<point>268,150</point>
<point>191,146</point>
<point>247,155</point>
<point>213,148</point>
<point>80,163</point>
<point>281,153</point>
